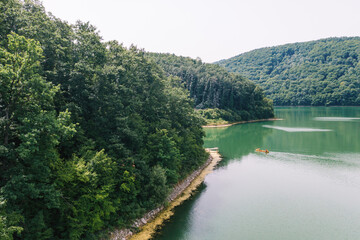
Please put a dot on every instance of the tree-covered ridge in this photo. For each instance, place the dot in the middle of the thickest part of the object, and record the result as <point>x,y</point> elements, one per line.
<point>323,72</point>
<point>92,134</point>
<point>212,86</point>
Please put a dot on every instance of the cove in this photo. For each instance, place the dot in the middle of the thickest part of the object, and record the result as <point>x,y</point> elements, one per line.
<point>307,187</point>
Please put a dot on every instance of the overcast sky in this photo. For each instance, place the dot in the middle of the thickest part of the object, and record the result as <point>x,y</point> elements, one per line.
<point>212,29</point>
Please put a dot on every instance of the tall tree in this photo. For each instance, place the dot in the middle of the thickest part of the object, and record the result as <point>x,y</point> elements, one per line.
<point>30,132</point>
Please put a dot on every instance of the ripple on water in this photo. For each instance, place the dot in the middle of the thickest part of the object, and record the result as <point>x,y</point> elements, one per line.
<point>336,119</point>
<point>297,129</point>
<point>328,159</point>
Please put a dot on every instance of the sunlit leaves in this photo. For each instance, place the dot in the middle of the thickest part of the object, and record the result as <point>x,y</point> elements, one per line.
<point>323,72</point>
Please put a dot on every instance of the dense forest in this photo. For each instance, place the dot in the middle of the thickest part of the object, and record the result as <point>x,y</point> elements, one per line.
<point>93,134</point>
<point>318,73</point>
<point>215,91</point>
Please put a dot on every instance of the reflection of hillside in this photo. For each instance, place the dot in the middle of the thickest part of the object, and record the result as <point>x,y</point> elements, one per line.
<point>344,135</point>
<point>174,227</point>
<point>242,139</point>
<point>340,139</point>
<point>238,140</point>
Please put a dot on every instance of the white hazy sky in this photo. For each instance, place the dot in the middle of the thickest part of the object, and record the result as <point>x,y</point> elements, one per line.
<point>212,29</point>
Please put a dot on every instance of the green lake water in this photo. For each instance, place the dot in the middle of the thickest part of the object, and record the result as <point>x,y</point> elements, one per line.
<point>306,188</point>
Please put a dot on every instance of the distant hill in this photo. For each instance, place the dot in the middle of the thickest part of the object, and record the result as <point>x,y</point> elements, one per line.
<point>318,73</point>
<point>212,86</point>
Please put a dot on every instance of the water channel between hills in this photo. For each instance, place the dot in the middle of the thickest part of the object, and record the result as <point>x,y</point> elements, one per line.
<point>307,187</point>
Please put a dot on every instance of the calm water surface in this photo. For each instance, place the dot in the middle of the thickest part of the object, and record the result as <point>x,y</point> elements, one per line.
<point>307,187</point>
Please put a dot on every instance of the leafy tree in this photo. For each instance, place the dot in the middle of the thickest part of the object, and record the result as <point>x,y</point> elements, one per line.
<point>86,184</point>
<point>157,185</point>
<point>94,134</point>
<point>211,86</point>
<point>30,133</point>
<point>8,223</point>
<point>323,72</point>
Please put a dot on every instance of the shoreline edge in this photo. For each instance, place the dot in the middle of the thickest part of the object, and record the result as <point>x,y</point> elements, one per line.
<point>152,220</point>
<point>241,122</point>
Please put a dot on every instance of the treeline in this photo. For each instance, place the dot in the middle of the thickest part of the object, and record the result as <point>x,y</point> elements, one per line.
<point>318,73</point>
<point>213,87</point>
<point>92,134</point>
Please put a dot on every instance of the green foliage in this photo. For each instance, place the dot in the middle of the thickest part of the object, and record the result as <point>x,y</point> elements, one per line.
<point>220,116</point>
<point>87,184</point>
<point>163,151</point>
<point>92,134</point>
<point>157,185</point>
<point>211,86</point>
<point>8,223</point>
<point>30,133</point>
<point>324,72</point>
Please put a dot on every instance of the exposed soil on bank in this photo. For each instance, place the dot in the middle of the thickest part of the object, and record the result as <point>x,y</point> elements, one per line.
<point>152,220</point>
<point>241,122</point>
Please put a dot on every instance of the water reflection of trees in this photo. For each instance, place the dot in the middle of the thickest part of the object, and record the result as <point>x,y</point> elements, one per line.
<point>343,137</point>
<point>238,140</point>
<point>176,227</point>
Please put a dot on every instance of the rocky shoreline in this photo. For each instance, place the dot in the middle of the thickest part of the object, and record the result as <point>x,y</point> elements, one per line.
<point>178,190</point>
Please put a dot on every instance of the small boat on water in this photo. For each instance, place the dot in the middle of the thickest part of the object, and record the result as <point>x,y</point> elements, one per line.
<point>264,151</point>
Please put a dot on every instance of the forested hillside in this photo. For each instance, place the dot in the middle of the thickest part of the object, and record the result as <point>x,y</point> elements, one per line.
<point>324,72</point>
<point>234,97</point>
<point>92,134</point>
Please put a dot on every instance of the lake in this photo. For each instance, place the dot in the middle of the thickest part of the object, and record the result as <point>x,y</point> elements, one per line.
<point>307,187</point>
